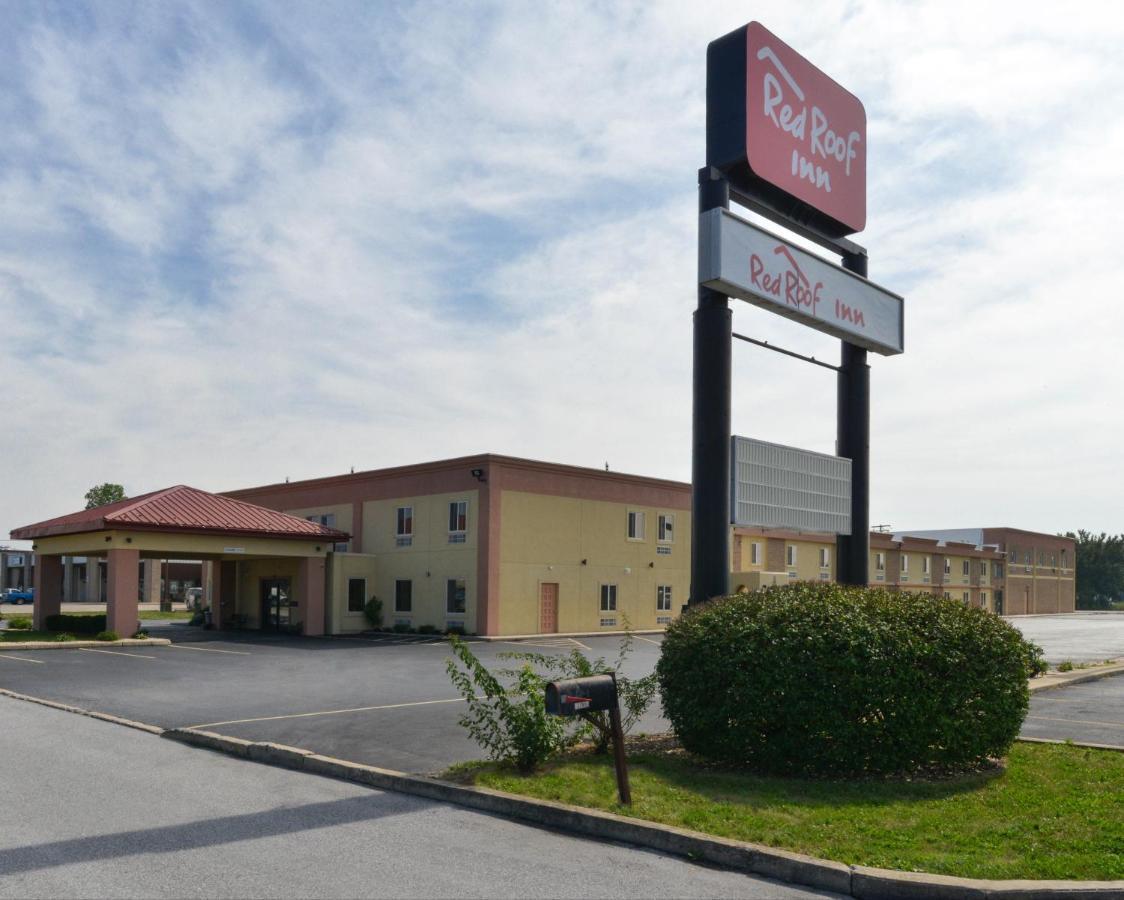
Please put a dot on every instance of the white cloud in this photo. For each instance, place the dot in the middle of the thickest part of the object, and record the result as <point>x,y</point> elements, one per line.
<point>370,236</point>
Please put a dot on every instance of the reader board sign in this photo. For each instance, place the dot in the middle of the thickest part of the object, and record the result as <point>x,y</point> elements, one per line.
<point>773,112</point>
<point>741,260</point>
<point>774,486</point>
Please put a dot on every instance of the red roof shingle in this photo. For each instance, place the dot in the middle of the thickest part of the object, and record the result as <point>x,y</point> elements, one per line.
<point>183,508</point>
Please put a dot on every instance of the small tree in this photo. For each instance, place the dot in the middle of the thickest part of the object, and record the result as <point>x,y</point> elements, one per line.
<point>373,611</point>
<point>104,494</point>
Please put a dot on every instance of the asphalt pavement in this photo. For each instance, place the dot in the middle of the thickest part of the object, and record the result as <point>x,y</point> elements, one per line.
<point>1089,713</point>
<point>92,809</point>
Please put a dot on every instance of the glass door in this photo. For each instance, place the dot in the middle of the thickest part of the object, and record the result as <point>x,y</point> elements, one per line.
<point>276,604</point>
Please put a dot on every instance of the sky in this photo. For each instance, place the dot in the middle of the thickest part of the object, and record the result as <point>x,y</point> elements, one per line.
<point>246,242</point>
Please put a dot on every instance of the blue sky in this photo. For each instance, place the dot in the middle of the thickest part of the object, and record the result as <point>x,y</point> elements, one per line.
<point>242,242</point>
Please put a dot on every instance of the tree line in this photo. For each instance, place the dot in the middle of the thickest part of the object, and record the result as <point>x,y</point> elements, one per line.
<point>1100,569</point>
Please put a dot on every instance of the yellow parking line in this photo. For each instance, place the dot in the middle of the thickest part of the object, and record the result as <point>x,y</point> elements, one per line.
<point>327,712</point>
<point>209,650</point>
<point>1079,721</point>
<point>116,653</point>
<point>38,662</point>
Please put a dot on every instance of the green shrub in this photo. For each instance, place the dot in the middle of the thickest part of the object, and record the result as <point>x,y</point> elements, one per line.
<point>1065,666</point>
<point>456,630</point>
<point>140,634</point>
<point>510,723</point>
<point>76,624</point>
<point>372,609</point>
<point>818,678</point>
<point>20,623</point>
<point>63,636</point>
<point>107,636</point>
<point>402,628</point>
<point>428,629</point>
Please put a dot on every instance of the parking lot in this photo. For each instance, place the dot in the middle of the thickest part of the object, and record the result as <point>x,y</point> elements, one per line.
<point>389,702</point>
<point>386,702</point>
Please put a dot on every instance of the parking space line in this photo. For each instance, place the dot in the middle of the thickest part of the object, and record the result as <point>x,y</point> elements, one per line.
<point>583,646</point>
<point>641,637</point>
<point>116,653</point>
<point>327,712</point>
<point>209,650</point>
<point>38,662</point>
<point>1078,721</point>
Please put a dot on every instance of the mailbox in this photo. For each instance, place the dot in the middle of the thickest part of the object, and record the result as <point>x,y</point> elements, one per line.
<point>581,695</point>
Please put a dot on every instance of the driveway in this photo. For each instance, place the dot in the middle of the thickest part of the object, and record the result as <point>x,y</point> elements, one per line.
<point>153,818</point>
<point>1078,637</point>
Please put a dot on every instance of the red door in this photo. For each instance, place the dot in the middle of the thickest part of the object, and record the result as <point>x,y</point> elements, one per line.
<point>548,608</point>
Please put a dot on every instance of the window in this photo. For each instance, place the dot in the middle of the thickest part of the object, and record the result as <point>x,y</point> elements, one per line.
<point>1065,564</point>
<point>966,567</point>
<point>405,521</point>
<point>967,597</point>
<point>880,562</point>
<point>665,528</point>
<point>983,599</point>
<point>1029,558</point>
<point>983,569</point>
<point>997,570</point>
<point>635,525</point>
<point>790,554</point>
<point>948,566</point>
<point>458,521</point>
<point>609,598</point>
<point>663,597</point>
<point>947,595</point>
<point>328,520</point>
<point>905,563</point>
<point>454,595</point>
<point>403,596</point>
<point>356,594</point>
<point>924,565</point>
<point>825,557</point>
<point>755,554</point>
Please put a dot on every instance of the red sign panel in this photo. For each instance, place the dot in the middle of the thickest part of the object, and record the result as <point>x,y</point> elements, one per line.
<point>803,132</point>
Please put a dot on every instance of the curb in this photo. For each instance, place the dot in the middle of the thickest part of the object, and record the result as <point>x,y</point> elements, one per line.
<point>492,638</point>
<point>105,717</point>
<point>16,646</point>
<point>767,862</point>
<point>1077,676</point>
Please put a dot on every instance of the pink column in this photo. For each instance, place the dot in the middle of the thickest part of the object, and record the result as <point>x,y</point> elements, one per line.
<point>48,589</point>
<point>123,588</point>
<point>310,593</point>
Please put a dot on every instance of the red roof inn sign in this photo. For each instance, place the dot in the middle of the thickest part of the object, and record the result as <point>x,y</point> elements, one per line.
<point>789,125</point>
<point>741,260</point>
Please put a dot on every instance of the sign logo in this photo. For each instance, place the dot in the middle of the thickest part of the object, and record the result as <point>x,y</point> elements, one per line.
<point>803,132</point>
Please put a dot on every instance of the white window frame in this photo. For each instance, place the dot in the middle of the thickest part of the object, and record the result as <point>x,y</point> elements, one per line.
<point>634,525</point>
<point>947,566</point>
<point>455,505</point>
<point>825,557</point>
<point>755,554</point>
<point>663,598</point>
<point>608,598</point>
<point>398,581</point>
<point>398,517</point>
<point>790,555</point>
<point>905,563</point>
<point>665,528</point>
<point>880,562</point>
<point>966,567</point>
<point>924,565</point>
<point>360,610</point>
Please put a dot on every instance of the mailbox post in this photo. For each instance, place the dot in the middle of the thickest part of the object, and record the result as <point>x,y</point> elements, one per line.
<point>585,696</point>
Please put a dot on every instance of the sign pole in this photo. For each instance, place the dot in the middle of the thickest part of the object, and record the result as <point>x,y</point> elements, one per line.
<point>853,441</point>
<point>710,438</point>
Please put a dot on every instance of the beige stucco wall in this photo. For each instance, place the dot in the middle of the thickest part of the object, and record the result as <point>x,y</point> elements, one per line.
<point>544,540</point>
<point>429,562</point>
<point>341,568</point>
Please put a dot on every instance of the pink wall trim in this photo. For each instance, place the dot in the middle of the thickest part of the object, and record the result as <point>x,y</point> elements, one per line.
<point>122,585</point>
<point>310,587</point>
<point>48,589</point>
<point>488,554</point>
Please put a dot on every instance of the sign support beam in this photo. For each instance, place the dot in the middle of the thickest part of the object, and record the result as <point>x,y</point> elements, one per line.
<point>710,424</point>
<point>852,552</point>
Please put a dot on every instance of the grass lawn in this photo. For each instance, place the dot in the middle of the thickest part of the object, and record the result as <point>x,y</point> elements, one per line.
<point>18,637</point>
<point>1056,811</point>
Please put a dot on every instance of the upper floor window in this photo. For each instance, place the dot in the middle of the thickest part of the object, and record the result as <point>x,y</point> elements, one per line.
<point>458,522</point>
<point>404,521</point>
<point>880,562</point>
<point>983,568</point>
<point>328,520</point>
<point>948,567</point>
<point>755,553</point>
<point>790,554</point>
<point>665,528</point>
<point>1065,564</point>
<point>924,565</point>
<point>825,557</point>
<point>966,567</point>
<point>905,562</point>
<point>635,525</point>
<point>997,570</point>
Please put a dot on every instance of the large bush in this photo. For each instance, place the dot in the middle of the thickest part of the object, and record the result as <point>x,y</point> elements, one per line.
<point>76,624</point>
<point>826,679</point>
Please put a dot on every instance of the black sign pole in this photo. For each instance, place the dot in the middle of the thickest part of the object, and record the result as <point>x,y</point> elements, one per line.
<point>853,442</point>
<point>710,423</point>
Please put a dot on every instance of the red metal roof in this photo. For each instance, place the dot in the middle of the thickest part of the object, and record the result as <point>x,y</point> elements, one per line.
<point>184,509</point>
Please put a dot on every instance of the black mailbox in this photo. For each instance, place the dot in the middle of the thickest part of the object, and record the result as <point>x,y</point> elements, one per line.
<point>579,695</point>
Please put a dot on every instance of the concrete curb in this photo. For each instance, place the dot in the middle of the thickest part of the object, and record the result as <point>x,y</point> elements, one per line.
<point>16,646</point>
<point>554,635</point>
<point>105,717</point>
<point>1089,744</point>
<point>767,862</point>
<point>1077,676</point>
